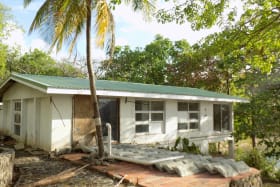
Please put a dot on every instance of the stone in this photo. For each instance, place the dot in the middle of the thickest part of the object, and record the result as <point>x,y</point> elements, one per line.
<point>19,146</point>
<point>169,166</point>
<point>186,168</point>
<point>7,157</point>
<point>225,170</point>
<point>239,166</point>
<point>210,167</point>
<point>201,164</point>
<point>159,166</point>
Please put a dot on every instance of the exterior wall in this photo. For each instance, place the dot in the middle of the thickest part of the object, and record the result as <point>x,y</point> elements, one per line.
<point>61,124</point>
<point>47,121</point>
<point>43,111</point>
<point>127,120</point>
<point>5,120</point>
<point>202,136</point>
<point>35,114</point>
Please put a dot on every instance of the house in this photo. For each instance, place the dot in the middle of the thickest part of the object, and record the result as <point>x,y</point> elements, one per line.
<point>53,113</point>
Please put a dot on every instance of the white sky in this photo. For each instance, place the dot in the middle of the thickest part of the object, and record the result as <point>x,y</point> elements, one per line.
<point>131,29</point>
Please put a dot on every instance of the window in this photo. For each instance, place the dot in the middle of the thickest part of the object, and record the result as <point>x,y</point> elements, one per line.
<point>149,116</point>
<point>188,115</point>
<point>221,117</point>
<point>17,117</point>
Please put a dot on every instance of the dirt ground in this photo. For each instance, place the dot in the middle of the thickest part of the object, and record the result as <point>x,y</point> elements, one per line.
<point>32,165</point>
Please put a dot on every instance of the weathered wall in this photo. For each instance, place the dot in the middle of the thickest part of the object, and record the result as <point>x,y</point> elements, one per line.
<point>202,136</point>
<point>127,121</point>
<point>61,124</point>
<point>35,122</point>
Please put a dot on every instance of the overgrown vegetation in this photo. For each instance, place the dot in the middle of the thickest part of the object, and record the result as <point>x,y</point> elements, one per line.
<point>257,159</point>
<point>183,144</point>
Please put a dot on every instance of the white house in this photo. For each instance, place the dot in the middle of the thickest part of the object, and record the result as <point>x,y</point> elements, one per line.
<point>53,112</point>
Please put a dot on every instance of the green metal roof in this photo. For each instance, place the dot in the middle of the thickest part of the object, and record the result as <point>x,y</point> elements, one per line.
<point>57,82</point>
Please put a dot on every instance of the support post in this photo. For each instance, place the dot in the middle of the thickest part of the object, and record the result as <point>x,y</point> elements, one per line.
<point>231,147</point>
<point>108,125</point>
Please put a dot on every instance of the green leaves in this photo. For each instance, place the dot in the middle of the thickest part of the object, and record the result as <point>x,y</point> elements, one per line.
<point>200,13</point>
<point>41,63</point>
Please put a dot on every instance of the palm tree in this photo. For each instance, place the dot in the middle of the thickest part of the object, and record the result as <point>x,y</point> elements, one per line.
<point>64,20</point>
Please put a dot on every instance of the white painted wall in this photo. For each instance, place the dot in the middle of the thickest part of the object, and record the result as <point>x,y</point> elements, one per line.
<point>127,121</point>
<point>6,120</point>
<point>35,124</point>
<point>61,125</point>
<point>29,121</point>
<point>200,137</point>
<point>19,91</point>
<point>44,120</point>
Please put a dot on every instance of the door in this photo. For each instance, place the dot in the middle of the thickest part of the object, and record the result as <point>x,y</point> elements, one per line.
<point>109,112</point>
<point>82,123</point>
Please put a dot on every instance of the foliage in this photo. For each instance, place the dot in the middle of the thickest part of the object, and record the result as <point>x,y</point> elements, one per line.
<point>40,63</point>
<point>213,148</point>
<point>4,17</point>
<point>186,147</point>
<point>260,118</point>
<point>255,158</point>
<point>63,20</point>
<point>177,142</point>
<point>146,65</point>
<point>200,13</point>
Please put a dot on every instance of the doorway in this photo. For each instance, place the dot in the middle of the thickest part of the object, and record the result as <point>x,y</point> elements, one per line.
<point>109,112</point>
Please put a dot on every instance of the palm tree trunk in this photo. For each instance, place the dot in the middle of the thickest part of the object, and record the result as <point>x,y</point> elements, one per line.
<point>96,114</point>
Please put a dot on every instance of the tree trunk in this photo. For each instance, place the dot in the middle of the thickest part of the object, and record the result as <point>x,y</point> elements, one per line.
<point>94,100</point>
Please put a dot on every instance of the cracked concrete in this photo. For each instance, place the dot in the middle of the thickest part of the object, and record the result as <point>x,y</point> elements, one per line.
<point>179,163</point>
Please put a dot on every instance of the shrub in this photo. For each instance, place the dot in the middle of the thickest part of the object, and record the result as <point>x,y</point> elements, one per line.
<point>255,158</point>
<point>185,146</point>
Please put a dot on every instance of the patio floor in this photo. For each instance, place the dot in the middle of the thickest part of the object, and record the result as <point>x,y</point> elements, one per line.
<point>148,176</point>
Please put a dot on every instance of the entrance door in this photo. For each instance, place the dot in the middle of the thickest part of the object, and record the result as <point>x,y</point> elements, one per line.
<point>109,112</point>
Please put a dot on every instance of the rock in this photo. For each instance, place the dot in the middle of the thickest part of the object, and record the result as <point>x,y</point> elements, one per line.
<point>169,166</point>
<point>186,168</point>
<point>210,167</point>
<point>6,166</point>
<point>240,166</point>
<point>225,170</point>
<point>250,181</point>
<point>19,146</point>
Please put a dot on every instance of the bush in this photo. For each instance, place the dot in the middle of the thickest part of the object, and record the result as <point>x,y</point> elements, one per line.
<point>255,158</point>
<point>185,146</point>
<point>213,148</point>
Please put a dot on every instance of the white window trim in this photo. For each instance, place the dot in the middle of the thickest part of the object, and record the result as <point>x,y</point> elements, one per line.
<point>13,117</point>
<point>149,122</point>
<point>230,119</point>
<point>187,118</point>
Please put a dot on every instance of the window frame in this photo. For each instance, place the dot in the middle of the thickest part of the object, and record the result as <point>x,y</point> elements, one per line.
<point>221,123</point>
<point>186,112</point>
<point>150,122</point>
<point>17,115</point>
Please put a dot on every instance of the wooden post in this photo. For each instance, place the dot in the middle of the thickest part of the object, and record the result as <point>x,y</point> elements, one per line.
<point>7,157</point>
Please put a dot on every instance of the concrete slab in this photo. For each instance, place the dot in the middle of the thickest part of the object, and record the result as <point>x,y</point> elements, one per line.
<point>147,176</point>
<point>179,163</point>
<point>142,154</point>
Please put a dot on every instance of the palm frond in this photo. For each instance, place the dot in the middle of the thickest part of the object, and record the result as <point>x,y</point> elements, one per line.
<point>145,6</point>
<point>26,3</point>
<point>104,22</point>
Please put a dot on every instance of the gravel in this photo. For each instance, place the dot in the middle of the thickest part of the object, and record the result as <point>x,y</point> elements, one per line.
<point>30,168</point>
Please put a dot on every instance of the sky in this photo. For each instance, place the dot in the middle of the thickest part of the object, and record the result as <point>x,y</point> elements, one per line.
<point>131,29</point>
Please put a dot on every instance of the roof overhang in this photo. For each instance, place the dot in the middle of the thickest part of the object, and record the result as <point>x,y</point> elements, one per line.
<point>142,95</point>
<point>111,93</point>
